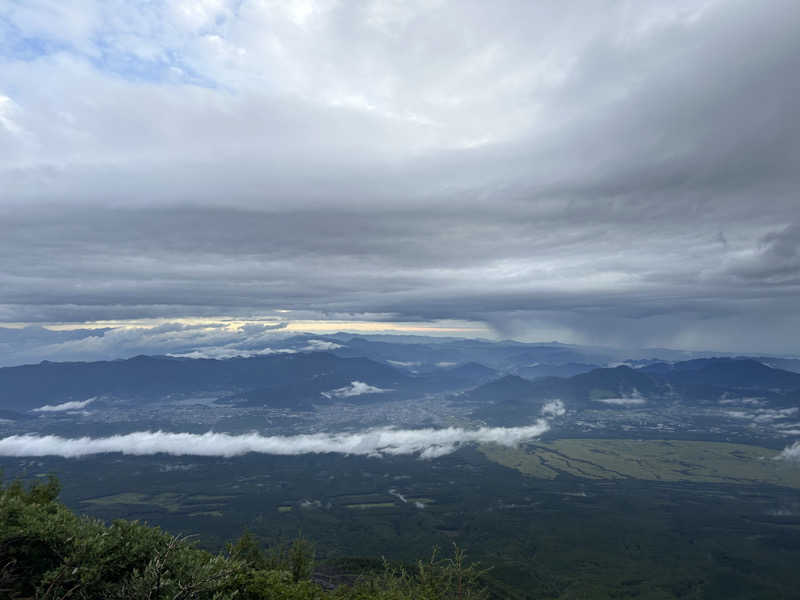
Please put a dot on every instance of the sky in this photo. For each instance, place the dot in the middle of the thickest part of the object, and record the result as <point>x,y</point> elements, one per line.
<point>623,174</point>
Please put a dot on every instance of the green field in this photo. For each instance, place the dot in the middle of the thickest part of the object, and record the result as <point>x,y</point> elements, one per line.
<point>573,518</point>
<point>168,501</point>
<point>366,505</point>
<point>652,460</point>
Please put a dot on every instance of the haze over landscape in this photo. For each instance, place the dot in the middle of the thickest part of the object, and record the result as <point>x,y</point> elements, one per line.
<point>518,276</point>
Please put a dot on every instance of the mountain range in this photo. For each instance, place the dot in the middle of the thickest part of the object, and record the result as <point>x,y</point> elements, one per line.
<point>299,380</point>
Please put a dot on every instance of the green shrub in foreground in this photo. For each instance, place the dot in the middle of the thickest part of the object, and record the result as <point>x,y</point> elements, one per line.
<point>47,552</point>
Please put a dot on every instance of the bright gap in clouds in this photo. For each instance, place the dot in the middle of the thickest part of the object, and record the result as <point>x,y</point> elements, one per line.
<point>217,337</point>
<point>433,328</point>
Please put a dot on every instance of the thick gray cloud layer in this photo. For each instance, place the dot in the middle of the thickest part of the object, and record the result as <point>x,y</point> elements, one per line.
<point>617,175</point>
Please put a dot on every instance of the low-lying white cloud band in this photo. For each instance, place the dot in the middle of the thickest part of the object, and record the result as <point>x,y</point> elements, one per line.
<point>223,352</point>
<point>554,408</point>
<point>356,388</point>
<point>427,443</point>
<point>320,346</point>
<point>790,453</point>
<point>622,401</point>
<point>74,405</point>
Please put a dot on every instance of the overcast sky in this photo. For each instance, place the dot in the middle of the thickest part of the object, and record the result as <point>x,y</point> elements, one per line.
<point>621,173</point>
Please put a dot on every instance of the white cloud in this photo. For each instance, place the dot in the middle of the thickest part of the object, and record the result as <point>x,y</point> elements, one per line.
<point>633,399</point>
<point>554,408</point>
<point>763,415</point>
<point>737,414</point>
<point>320,346</point>
<point>790,453</point>
<point>746,400</point>
<point>196,13</point>
<point>193,340</point>
<point>66,406</point>
<point>230,352</point>
<point>404,500</point>
<point>766,415</point>
<point>356,388</point>
<point>399,496</point>
<point>7,111</point>
<point>426,443</point>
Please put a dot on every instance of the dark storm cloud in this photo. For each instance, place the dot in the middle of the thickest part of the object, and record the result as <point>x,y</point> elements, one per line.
<point>626,176</point>
<point>775,260</point>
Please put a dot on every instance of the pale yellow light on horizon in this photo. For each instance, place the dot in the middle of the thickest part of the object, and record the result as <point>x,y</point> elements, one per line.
<point>298,326</point>
<point>375,326</point>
